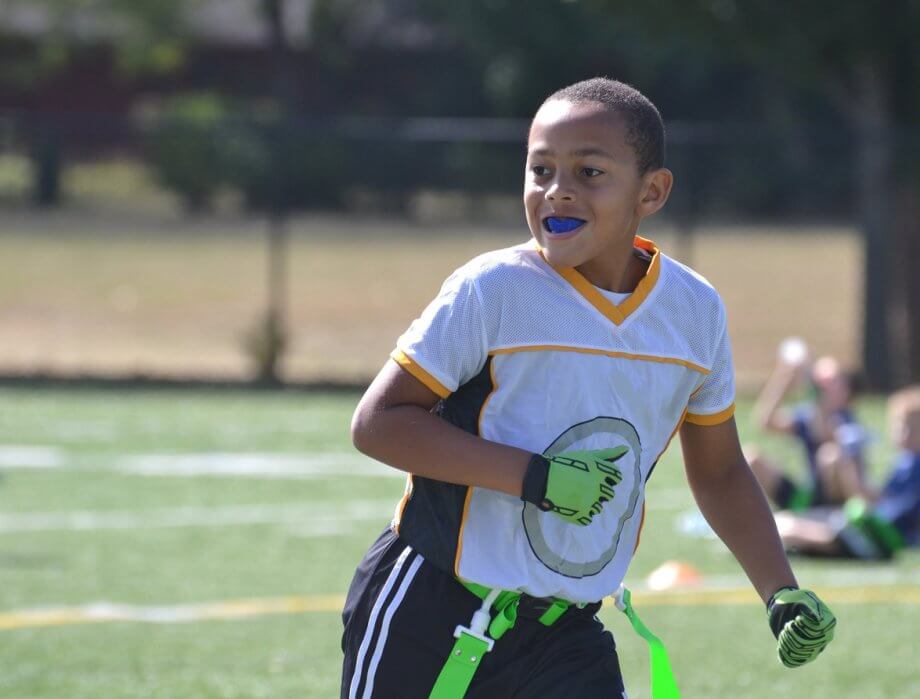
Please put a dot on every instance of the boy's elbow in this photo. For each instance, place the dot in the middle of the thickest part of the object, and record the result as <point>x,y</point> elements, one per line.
<point>361,432</point>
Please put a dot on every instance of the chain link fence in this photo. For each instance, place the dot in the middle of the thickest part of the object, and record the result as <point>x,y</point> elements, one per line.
<point>159,245</point>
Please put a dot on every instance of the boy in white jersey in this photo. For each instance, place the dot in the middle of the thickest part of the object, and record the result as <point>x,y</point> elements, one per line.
<point>530,403</point>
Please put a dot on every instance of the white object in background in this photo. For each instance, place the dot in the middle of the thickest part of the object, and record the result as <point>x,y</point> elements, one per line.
<point>793,351</point>
<point>852,437</point>
<point>673,574</point>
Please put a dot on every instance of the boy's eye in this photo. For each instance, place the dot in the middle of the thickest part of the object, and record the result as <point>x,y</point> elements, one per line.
<point>591,172</point>
<point>540,170</point>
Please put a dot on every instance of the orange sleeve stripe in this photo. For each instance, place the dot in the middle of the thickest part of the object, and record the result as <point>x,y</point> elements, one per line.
<point>410,365</point>
<point>713,419</point>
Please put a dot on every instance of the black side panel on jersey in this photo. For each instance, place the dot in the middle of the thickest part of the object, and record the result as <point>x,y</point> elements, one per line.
<point>431,520</point>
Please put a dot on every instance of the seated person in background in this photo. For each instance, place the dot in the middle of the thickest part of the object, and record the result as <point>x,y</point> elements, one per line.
<point>873,524</point>
<point>831,438</point>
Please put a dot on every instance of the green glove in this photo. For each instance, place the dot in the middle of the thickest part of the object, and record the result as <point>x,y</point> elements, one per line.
<point>802,624</point>
<point>573,485</point>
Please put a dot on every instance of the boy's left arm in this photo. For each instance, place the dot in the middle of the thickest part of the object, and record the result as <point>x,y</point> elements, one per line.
<point>734,504</point>
<point>735,507</point>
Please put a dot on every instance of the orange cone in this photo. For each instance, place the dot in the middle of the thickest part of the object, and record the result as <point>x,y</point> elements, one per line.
<point>673,574</point>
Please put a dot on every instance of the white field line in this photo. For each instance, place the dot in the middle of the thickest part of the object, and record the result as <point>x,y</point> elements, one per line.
<point>22,456</point>
<point>102,612</point>
<point>321,517</point>
<point>269,465</point>
<point>257,465</point>
<point>313,518</point>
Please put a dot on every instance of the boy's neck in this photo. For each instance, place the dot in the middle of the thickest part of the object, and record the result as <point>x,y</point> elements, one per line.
<point>621,274</point>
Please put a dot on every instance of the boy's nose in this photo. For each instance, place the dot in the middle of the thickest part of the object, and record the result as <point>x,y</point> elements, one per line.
<point>560,191</point>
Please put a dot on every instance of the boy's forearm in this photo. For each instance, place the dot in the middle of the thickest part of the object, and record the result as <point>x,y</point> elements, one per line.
<point>411,438</point>
<point>735,507</point>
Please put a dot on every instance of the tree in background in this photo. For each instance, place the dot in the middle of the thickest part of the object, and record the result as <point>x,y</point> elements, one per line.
<point>780,67</point>
<point>145,36</point>
<point>862,59</point>
<point>153,36</point>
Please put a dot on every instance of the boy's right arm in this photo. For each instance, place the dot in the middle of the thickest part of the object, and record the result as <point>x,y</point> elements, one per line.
<point>393,423</point>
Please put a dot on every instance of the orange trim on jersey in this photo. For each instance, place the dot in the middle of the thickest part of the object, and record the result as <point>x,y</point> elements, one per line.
<point>613,312</point>
<point>469,490</point>
<point>639,533</point>
<point>482,409</point>
<point>683,416</point>
<point>713,419</point>
<point>401,507</point>
<point>414,368</point>
<point>605,353</point>
<point>698,389</point>
<point>466,510</point>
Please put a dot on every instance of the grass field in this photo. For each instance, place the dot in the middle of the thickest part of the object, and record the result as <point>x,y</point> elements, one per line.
<point>176,296</point>
<point>193,544</point>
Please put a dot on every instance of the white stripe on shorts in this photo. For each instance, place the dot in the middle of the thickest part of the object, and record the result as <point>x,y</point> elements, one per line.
<point>385,628</point>
<point>372,621</point>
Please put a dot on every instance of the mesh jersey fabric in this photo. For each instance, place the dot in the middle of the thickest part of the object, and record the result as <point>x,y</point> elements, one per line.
<point>568,370</point>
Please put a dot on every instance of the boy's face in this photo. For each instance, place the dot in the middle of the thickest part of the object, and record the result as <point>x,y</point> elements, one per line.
<point>904,423</point>
<point>833,385</point>
<point>580,166</point>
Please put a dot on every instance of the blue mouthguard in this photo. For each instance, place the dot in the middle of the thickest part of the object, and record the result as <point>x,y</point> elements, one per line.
<point>562,225</point>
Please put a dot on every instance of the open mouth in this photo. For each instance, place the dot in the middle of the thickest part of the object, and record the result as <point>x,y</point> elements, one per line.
<point>559,225</point>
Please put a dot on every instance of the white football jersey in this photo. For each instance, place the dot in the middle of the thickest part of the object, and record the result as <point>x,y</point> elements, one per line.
<point>535,357</point>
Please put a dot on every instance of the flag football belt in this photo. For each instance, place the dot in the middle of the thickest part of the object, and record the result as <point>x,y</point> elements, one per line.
<point>477,639</point>
<point>880,531</point>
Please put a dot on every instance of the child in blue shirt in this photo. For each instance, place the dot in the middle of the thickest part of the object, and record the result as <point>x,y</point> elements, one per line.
<point>873,524</point>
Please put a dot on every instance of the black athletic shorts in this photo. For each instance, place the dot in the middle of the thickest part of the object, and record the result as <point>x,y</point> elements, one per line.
<point>400,617</point>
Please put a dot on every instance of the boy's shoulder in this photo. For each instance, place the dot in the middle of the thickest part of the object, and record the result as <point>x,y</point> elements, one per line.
<point>688,292</point>
<point>523,258</point>
<point>687,279</point>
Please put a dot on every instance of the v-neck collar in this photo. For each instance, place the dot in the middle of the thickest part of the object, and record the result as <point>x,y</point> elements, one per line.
<point>616,313</point>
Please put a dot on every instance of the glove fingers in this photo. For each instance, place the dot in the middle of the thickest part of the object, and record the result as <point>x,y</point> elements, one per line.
<point>612,471</point>
<point>570,463</point>
<point>795,650</point>
<point>610,455</point>
<point>795,646</point>
<point>803,625</point>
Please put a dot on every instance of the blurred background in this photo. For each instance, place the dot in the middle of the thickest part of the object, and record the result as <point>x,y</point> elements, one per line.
<point>199,198</point>
<point>270,190</point>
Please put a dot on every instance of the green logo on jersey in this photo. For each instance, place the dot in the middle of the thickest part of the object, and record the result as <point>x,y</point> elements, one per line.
<point>551,539</point>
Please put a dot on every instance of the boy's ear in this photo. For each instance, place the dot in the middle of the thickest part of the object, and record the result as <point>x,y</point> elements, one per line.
<point>655,191</point>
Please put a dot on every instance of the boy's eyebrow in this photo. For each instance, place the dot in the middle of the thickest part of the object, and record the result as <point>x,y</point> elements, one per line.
<point>581,152</point>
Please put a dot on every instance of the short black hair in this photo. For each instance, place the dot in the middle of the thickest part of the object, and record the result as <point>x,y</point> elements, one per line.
<point>644,127</point>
